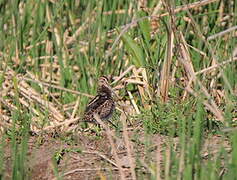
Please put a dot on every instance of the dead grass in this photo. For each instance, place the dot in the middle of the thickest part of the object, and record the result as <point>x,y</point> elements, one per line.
<point>52,88</point>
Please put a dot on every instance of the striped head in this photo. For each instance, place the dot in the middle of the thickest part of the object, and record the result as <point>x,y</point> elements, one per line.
<point>103,80</point>
<point>104,86</point>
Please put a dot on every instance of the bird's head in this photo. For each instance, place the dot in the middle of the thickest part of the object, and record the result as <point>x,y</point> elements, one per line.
<point>104,87</point>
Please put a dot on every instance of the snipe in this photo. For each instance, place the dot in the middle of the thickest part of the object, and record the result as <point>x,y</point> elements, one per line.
<point>102,104</point>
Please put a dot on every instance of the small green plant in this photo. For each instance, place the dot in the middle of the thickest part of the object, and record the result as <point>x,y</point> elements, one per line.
<point>50,50</point>
<point>166,118</point>
<point>19,138</point>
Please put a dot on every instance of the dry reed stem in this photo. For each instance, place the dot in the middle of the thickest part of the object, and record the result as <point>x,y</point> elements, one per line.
<point>35,45</point>
<point>222,33</point>
<point>191,6</point>
<point>206,103</point>
<point>187,63</point>
<point>134,81</point>
<point>109,136</point>
<point>47,92</point>
<point>34,96</point>
<point>158,159</point>
<point>69,106</point>
<point>129,146</point>
<point>101,155</point>
<point>212,52</point>
<point>120,11</point>
<point>30,95</point>
<point>87,169</point>
<point>140,88</point>
<point>9,105</point>
<point>123,74</point>
<point>72,116</point>
<point>192,77</point>
<point>167,161</point>
<point>133,102</point>
<point>186,59</point>
<point>65,122</point>
<point>165,72</point>
<point>157,8</point>
<point>75,108</point>
<point>198,50</point>
<point>212,105</point>
<point>216,66</point>
<point>57,87</point>
<point>134,22</point>
<point>145,80</point>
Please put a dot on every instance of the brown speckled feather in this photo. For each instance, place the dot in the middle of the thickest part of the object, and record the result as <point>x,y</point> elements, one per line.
<point>102,104</point>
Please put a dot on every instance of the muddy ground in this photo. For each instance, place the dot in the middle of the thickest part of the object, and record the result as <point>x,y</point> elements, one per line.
<point>91,157</point>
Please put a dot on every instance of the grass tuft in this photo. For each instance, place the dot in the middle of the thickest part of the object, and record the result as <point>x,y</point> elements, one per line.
<point>172,65</point>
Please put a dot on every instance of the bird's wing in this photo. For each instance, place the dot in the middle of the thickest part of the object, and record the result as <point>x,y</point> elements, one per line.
<point>95,103</point>
<point>106,109</point>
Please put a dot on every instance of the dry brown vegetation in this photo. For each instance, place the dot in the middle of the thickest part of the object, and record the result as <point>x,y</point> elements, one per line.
<point>165,57</point>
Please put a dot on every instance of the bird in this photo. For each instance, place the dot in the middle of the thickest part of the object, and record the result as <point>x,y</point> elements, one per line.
<point>102,104</point>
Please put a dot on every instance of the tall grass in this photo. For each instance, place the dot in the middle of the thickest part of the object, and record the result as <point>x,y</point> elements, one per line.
<point>69,44</point>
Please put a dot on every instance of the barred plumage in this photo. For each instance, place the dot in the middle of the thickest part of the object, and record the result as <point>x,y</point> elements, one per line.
<point>102,104</point>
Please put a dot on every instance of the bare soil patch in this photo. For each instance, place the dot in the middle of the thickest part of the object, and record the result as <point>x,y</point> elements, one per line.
<point>91,157</point>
